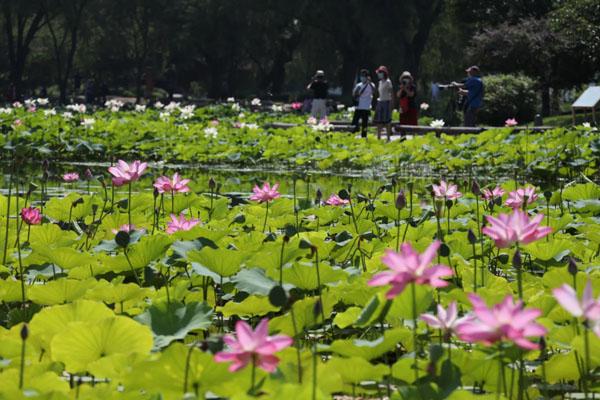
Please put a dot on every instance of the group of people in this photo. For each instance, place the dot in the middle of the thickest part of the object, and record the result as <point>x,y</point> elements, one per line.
<point>367,95</point>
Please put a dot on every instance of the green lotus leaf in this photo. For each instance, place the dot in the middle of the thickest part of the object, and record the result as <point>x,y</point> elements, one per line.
<point>60,291</point>
<point>43,383</point>
<point>51,236</point>
<point>141,254</point>
<point>165,375</point>
<point>86,342</point>
<point>305,276</point>
<point>52,320</point>
<point>173,321</point>
<point>253,281</point>
<point>371,349</point>
<point>223,262</point>
<point>585,191</point>
<point>251,306</point>
<point>64,257</point>
<point>10,291</point>
<point>345,319</point>
<point>354,370</point>
<point>110,293</point>
<point>59,208</point>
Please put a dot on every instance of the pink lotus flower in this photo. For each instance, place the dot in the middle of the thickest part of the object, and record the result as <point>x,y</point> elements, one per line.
<point>180,224</point>
<point>176,185</point>
<point>266,193</point>
<point>214,122</point>
<point>493,193</point>
<point>17,122</point>
<point>505,321</point>
<point>588,307</point>
<point>408,266</point>
<point>127,228</point>
<point>71,177</point>
<point>510,122</point>
<point>125,173</point>
<point>446,319</point>
<point>31,215</point>
<point>31,109</point>
<point>446,191</point>
<point>517,197</point>
<point>296,105</point>
<point>335,200</point>
<point>311,121</point>
<point>255,347</point>
<point>507,230</point>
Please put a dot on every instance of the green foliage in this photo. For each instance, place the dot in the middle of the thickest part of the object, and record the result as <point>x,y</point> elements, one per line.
<point>508,96</point>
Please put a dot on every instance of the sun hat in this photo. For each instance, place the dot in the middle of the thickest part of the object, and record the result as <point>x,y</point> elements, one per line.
<point>320,73</point>
<point>382,68</point>
<point>473,68</point>
<point>406,74</point>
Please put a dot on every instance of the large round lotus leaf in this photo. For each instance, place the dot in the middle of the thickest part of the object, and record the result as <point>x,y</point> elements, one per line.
<point>60,291</point>
<point>87,342</point>
<point>173,321</point>
<point>34,381</point>
<point>166,374</point>
<point>52,320</point>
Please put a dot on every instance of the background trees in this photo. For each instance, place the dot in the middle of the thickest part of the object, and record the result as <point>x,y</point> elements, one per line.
<point>219,48</point>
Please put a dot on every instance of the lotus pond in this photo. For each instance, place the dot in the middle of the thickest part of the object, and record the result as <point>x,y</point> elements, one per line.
<point>459,267</point>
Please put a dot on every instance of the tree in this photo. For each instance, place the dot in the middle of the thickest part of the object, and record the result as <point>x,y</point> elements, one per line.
<point>22,22</point>
<point>63,20</point>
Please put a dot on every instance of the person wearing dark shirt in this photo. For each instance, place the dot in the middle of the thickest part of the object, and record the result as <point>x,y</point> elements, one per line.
<point>320,88</point>
<point>409,113</point>
<point>473,89</point>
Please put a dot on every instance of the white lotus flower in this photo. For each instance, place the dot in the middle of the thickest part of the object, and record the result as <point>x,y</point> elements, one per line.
<point>256,102</point>
<point>351,109</point>
<point>231,99</point>
<point>164,116</point>
<point>42,101</point>
<point>586,125</point>
<point>49,112</point>
<point>88,122</point>
<point>6,110</point>
<point>29,103</point>
<point>158,105</point>
<point>276,108</point>
<point>80,108</point>
<point>140,108</point>
<point>236,107</point>
<point>67,115</point>
<point>187,112</point>
<point>424,106</point>
<point>241,116</point>
<point>340,107</point>
<point>16,104</point>
<point>211,132</point>
<point>114,105</point>
<point>172,106</point>
<point>437,123</point>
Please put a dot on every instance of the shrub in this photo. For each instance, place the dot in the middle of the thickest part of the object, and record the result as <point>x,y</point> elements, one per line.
<point>508,96</point>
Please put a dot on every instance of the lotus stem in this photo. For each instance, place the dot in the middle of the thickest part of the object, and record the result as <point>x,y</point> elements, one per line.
<point>132,269</point>
<point>266,216</point>
<point>297,345</point>
<point>413,291</point>
<point>129,205</point>
<point>314,380</point>
<point>24,334</point>
<point>7,218</point>
<point>253,376</point>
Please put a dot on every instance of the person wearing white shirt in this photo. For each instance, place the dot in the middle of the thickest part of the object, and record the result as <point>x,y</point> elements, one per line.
<point>383,111</point>
<point>363,97</point>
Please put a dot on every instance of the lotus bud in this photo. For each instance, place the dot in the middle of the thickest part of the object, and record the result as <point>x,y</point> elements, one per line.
<point>88,174</point>
<point>24,332</point>
<point>32,187</point>
<point>471,237</point>
<point>572,266</point>
<point>155,193</point>
<point>400,200</point>
<point>475,189</point>
<point>212,184</point>
<point>548,195</point>
<point>517,262</point>
<point>319,195</point>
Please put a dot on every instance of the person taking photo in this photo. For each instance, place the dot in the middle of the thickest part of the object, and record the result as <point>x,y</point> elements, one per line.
<point>473,89</point>
<point>320,88</point>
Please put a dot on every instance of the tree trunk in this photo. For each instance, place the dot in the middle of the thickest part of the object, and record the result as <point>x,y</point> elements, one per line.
<point>545,101</point>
